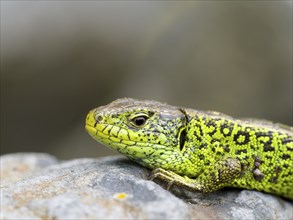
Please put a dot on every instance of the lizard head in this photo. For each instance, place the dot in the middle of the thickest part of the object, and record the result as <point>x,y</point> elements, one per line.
<point>148,132</point>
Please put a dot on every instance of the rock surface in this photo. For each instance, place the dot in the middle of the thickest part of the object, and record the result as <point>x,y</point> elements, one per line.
<point>38,186</point>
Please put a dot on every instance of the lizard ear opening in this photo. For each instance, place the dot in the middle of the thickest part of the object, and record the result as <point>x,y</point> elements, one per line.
<point>182,135</point>
<point>182,138</point>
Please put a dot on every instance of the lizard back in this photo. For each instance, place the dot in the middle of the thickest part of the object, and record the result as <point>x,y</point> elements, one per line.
<point>264,149</point>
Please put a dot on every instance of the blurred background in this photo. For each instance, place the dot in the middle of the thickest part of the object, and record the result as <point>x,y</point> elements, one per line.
<point>59,59</point>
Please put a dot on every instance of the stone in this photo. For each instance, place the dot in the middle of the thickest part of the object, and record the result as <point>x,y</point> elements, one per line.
<point>38,186</point>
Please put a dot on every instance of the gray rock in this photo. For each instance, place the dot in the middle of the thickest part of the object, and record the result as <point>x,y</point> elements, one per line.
<point>37,186</point>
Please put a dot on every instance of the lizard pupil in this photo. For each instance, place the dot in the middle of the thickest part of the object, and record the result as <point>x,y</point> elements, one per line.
<point>140,120</point>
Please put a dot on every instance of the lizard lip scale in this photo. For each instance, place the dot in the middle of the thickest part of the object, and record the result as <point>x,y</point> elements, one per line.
<point>90,126</point>
<point>201,151</point>
<point>90,123</point>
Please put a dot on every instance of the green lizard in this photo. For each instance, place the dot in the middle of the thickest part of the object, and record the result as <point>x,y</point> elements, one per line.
<point>201,151</point>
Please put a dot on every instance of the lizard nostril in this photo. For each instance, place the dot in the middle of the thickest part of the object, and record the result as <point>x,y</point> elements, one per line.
<point>99,118</point>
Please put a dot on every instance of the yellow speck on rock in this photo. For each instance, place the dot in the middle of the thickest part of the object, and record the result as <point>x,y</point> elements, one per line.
<point>120,196</point>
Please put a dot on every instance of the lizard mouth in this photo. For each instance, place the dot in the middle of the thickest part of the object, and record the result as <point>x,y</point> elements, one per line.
<point>108,133</point>
<point>102,133</point>
<point>137,151</point>
<point>103,130</point>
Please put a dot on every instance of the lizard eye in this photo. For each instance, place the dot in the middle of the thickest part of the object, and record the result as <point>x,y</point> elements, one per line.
<point>139,121</point>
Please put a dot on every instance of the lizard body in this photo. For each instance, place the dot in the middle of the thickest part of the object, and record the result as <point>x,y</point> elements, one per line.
<point>201,151</point>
